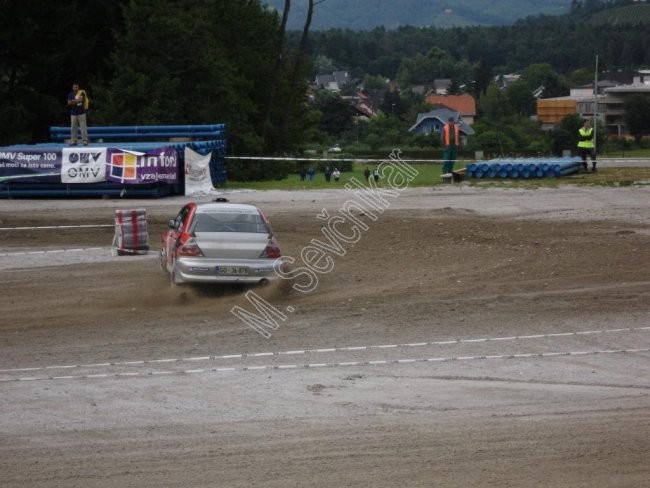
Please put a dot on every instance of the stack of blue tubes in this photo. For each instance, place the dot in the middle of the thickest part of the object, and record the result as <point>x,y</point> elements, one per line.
<point>524,168</point>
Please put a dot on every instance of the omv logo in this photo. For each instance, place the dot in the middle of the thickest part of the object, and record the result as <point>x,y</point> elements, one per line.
<point>84,157</point>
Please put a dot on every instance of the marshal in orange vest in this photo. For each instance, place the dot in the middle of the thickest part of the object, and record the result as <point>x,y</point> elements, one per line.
<point>446,138</point>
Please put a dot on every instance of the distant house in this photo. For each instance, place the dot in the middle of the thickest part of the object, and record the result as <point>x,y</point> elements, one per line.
<point>609,108</point>
<point>363,109</point>
<point>506,81</point>
<point>418,89</point>
<point>366,102</point>
<point>580,101</point>
<point>441,86</point>
<point>613,111</point>
<point>432,122</point>
<point>551,110</point>
<point>464,104</point>
<point>333,81</point>
<point>588,90</point>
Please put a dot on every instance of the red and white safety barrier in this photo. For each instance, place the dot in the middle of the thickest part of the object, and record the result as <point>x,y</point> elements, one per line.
<point>131,235</point>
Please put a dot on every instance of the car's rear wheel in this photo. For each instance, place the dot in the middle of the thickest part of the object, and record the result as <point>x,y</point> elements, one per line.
<point>173,280</point>
<point>161,261</point>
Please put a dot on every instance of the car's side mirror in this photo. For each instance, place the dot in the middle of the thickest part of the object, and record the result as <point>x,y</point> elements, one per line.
<point>171,224</point>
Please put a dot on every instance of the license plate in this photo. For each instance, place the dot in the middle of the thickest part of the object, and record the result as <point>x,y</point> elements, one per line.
<point>232,270</point>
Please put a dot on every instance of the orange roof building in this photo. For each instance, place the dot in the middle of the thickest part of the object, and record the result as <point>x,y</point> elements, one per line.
<point>464,104</point>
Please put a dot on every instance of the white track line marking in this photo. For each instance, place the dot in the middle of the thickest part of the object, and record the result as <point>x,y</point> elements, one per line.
<point>52,251</point>
<point>328,365</point>
<point>49,227</point>
<point>331,349</point>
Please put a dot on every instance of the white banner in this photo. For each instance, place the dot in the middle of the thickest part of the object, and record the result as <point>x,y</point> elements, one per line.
<point>83,165</point>
<point>197,173</point>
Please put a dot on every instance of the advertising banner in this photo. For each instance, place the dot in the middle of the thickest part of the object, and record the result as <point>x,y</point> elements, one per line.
<point>197,173</point>
<point>89,165</point>
<point>132,167</point>
<point>83,165</point>
<point>32,165</point>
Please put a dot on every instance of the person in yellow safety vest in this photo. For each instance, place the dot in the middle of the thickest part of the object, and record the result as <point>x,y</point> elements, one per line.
<point>451,141</point>
<point>586,145</point>
<point>78,104</point>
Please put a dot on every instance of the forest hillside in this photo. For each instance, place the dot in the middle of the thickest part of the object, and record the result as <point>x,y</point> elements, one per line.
<point>367,14</point>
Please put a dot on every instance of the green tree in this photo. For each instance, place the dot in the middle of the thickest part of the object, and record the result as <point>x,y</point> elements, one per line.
<point>394,105</point>
<point>336,113</point>
<point>493,141</point>
<point>580,76</point>
<point>160,71</point>
<point>526,134</point>
<point>564,136</point>
<point>374,141</point>
<point>543,74</point>
<point>323,64</point>
<point>637,115</point>
<point>290,117</point>
<point>425,141</point>
<point>424,68</point>
<point>493,105</point>
<point>275,75</point>
<point>482,77</point>
<point>374,82</point>
<point>385,65</point>
<point>41,55</point>
<point>202,62</point>
<point>520,97</point>
<point>454,88</point>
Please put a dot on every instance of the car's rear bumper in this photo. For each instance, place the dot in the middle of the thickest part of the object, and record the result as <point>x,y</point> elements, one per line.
<point>200,270</point>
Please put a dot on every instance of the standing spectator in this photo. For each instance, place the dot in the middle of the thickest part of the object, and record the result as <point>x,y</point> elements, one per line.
<point>366,173</point>
<point>375,174</point>
<point>303,173</point>
<point>450,140</point>
<point>310,174</point>
<point>328,174</point>
<point>336,174</point>
<point>78,103</point>
<point>586,146</point>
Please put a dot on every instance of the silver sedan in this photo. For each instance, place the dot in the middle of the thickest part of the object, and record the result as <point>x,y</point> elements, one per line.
<point>219,242</point>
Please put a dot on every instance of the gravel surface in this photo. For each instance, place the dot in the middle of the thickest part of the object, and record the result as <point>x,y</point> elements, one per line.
<point>467,337</point>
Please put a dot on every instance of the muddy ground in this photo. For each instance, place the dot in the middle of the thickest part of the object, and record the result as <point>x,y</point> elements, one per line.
<point>470,337</point>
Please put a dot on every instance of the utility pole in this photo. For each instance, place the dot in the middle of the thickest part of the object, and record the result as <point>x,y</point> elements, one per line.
<point>596,105</point>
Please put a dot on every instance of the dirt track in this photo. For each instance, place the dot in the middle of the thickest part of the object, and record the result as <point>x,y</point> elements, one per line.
<point>431,349</point>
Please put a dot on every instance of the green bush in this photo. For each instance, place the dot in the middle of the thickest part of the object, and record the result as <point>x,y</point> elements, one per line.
<point>617,143</point>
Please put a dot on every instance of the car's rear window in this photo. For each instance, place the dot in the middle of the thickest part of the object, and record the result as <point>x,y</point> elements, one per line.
<point>229,222</point>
